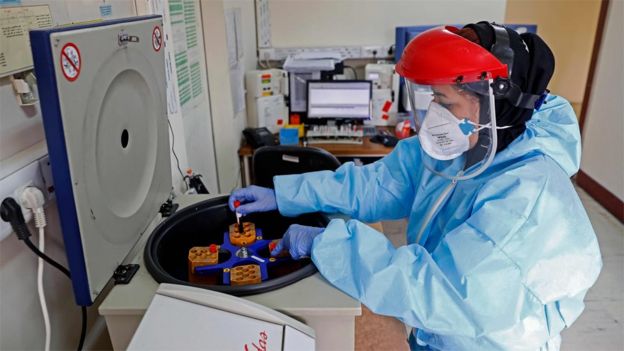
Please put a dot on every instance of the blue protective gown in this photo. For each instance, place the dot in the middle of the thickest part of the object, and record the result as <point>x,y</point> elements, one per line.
<point>504,264</point>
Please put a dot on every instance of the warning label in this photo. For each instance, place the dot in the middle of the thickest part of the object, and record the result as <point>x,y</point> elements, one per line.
<point>70,61</point>
<point>157,38</point>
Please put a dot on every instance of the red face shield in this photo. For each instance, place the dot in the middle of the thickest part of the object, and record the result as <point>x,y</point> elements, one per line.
<point>448,81</point>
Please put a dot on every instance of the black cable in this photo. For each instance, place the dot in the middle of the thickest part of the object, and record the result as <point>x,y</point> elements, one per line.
<point>11,212</point>
<point>46,258</point>
<point>83,328</point>
<point>354,71</point>
<point>391,50</point>
<point>176,156</point>
<point>53,263</point>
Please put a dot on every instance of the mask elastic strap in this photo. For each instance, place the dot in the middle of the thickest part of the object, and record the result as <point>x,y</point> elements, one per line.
<point>483,126</point>
<point>468,127</point>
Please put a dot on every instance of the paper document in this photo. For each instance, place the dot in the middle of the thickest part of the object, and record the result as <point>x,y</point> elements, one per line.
<point>234,35</point>
<point>187,53</point>
<point>237,86</point>
<point>15,55</point>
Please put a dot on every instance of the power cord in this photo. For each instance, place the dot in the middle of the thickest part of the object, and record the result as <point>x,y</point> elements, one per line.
<point>175,155</point>
<point>32,199</point>
<point>355,76</point>
<point>195,183</point>
<point>11,212</point>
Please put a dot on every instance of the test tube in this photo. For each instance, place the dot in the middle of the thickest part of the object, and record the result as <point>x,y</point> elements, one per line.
<point>238,216</point>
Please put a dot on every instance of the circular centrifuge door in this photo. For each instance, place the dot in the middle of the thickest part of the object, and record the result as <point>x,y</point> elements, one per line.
<point>112,102</point>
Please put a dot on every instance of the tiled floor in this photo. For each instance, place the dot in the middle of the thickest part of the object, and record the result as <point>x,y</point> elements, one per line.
<point>601,326</point>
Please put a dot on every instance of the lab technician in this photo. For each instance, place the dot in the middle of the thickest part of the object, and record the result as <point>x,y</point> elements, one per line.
<point>500,250</point>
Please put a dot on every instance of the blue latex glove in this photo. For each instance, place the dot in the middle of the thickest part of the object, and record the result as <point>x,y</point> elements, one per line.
<point>253,199</point>
<point>298,241</point>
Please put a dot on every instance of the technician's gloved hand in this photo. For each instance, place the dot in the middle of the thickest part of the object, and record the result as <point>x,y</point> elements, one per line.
<point>253,199</point>
<point>298,241</point>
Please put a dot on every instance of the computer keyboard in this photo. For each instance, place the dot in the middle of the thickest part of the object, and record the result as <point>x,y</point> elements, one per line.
<point>343,140</point>
<point>335,132</point>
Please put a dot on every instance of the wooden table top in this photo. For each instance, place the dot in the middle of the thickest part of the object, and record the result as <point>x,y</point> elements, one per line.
<point>366,149</point>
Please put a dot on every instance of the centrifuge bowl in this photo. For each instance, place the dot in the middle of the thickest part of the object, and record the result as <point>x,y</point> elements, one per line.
<point>204,223</point>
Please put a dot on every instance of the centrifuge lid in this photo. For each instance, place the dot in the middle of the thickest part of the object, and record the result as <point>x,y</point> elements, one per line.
<point>102,90</point>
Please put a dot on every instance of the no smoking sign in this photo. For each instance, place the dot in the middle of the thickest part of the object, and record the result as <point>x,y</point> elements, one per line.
<point>157,38</point>
<point>70,61</point>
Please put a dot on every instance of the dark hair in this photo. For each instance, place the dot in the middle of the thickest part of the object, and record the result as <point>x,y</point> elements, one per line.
<point>469,34</point>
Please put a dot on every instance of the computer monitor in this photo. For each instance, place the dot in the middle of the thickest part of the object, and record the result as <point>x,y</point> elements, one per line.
<point>340,100</point>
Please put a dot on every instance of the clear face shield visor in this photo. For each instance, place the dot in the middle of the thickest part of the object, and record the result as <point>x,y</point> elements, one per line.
<point>456,127</point>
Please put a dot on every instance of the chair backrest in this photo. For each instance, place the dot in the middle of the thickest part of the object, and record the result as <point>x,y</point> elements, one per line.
<point>269,161</point>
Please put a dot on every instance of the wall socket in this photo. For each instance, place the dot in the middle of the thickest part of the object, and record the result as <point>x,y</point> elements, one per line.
<point>15,183</point>
<point>46,176</point>
<point>378,51</point>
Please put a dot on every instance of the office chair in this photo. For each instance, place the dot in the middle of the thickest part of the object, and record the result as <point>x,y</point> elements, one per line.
<point>269,161</point>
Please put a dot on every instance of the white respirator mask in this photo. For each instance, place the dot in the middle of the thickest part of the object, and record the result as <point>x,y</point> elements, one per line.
<point>440,135</point>
<point>445,137</point>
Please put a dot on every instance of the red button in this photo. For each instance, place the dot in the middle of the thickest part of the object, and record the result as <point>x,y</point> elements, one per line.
<point>236,204</point>
<point>212,248</point>
<point>387,106</point>
<point>272,246</point>
<point>295,118</point>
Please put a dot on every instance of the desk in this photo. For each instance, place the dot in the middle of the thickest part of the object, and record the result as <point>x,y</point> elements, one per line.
<point>365,150</point>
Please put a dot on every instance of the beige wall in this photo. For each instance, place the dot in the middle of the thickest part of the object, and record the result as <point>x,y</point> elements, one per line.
<point>569,27</point>
<point>227,125</point>
<point>297,23</point>
<point>603,159</point>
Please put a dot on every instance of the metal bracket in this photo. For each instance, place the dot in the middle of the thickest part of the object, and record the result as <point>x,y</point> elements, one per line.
<point>124,273</point>
<point>168,208</point>
<point>124,38</point>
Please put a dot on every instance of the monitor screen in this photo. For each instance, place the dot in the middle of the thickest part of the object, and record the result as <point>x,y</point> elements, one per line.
<point>339,99</point>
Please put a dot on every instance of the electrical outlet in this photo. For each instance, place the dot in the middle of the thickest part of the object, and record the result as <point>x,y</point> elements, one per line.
<point>17,196</point>
<point>376,51</point>
<point>372,51</point>
<point>353,52</point>
<point>266,54</point>
<point>46,177</point>
<point>13,185</point>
